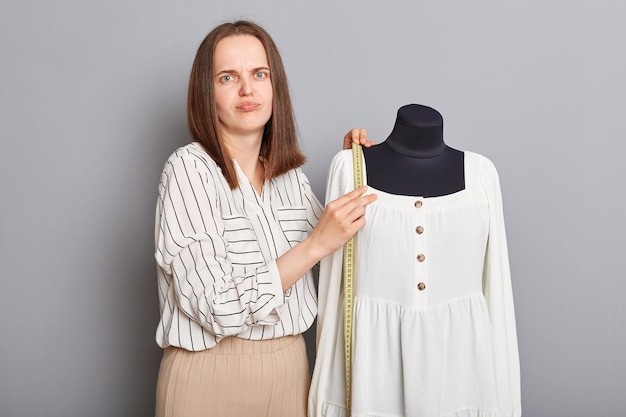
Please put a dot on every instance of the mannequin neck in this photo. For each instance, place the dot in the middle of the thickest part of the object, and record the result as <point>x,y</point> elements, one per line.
<point>414,160</point>
<point>418,132</point>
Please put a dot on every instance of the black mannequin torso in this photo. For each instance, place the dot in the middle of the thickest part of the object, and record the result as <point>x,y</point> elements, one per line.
<point>414,160</point>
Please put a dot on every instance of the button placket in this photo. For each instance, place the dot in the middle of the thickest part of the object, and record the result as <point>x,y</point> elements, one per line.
<point>421,268</point>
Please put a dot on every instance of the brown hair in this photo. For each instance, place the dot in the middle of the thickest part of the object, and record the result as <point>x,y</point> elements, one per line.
<point>279,148</point>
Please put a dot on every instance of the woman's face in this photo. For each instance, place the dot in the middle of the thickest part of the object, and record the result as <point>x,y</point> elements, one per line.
<point>243,88</point>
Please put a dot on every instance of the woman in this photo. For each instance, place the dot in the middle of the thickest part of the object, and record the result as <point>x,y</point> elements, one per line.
<point>238,230</point>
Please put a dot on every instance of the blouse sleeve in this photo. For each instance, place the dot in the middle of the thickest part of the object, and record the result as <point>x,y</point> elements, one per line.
<point>498,292</point>
<point>311,203</point>
<point>314,211</point>
<point>192,250</point>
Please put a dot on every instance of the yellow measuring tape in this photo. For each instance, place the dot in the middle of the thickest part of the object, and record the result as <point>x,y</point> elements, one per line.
<point>348,284</point>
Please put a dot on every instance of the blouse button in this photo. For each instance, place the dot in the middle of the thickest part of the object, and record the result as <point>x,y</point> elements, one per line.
<point>419,230</point>
<point>421,286</point>
<point>418,204</point>
<point>421,257</point>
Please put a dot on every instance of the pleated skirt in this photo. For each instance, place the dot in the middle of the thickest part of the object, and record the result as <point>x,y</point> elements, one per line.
<point>235,378</point>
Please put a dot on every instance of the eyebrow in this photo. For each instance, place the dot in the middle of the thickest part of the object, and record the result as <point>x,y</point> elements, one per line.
<point>232,71</point>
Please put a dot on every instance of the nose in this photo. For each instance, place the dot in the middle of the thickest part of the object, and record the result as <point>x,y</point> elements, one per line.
<point>246,88</point>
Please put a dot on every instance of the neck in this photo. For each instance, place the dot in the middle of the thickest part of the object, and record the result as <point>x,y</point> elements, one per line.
<point>418,132</point>
<point>246,151</point>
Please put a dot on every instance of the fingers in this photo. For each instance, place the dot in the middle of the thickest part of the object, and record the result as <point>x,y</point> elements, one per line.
<point>341,219</point>
<point>351,206</point>
<point>344,199</point>
<point>357,136</point>
<point>358,205</point>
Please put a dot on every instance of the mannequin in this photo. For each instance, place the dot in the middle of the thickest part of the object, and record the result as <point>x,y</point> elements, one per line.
<point>433,329</point>
<point>414,160</point>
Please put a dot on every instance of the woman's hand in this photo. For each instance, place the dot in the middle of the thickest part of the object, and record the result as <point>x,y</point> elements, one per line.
<point>341,219</point>
<point>357,136</point>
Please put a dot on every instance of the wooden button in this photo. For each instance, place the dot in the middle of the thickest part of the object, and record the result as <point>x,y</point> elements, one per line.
<point>421,286</point>
<point>419,230</point>
<point>418,204</point>
<point>421,257</point>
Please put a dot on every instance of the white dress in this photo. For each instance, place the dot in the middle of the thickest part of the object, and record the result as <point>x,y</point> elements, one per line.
<point>434,325</point>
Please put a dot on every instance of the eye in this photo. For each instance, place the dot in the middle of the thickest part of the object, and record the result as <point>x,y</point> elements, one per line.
<point>260,75</point>
<point>226,78</point>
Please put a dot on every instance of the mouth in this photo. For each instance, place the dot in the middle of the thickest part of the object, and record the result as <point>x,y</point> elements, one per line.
<point>247,106</point>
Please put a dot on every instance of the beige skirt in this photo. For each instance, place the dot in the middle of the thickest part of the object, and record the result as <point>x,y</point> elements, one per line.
<point>235,378</point>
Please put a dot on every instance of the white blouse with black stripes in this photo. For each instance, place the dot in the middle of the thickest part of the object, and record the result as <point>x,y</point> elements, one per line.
<point>216,252</point>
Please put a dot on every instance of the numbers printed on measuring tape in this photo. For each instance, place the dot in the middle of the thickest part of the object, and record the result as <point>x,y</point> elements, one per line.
<point>348,283</point>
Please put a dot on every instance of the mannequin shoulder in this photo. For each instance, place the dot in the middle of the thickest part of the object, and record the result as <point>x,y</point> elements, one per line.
<point>341,162</point>
<point>479,161</point>
<point>340,174</point>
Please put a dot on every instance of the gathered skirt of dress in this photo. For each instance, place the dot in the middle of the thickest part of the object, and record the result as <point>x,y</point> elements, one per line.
<point>235,378</point>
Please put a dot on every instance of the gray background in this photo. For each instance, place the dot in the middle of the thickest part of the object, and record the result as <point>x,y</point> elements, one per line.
<point>92,100</point>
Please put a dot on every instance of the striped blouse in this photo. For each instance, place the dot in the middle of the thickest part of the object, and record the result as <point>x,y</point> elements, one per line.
<point>216,251</point>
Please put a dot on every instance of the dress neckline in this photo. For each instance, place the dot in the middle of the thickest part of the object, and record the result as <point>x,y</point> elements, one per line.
<point>387,196</point>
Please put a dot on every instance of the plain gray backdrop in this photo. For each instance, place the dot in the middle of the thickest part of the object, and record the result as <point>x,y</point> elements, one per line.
<point>92,101</point>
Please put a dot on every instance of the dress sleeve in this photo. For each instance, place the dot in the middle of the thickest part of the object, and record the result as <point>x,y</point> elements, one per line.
<point>498,292</point>
<point>339,181</point>
<point>328,382</point>
<point>191,249</point>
